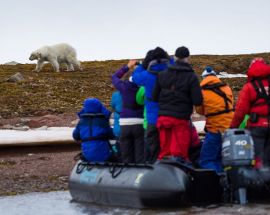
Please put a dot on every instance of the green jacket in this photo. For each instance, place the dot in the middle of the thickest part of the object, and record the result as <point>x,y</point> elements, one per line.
<point>140,100</point>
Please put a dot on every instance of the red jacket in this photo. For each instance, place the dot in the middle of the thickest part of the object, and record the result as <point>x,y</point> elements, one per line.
<point>248,96</point>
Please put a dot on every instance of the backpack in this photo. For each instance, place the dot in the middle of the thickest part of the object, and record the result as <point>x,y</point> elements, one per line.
<point>216,89</point>
<point>261,94</point>
<point>260,91</point>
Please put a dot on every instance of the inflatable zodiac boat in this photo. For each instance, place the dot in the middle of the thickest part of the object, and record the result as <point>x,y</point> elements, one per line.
<point>161,184</point>
<point>173,183</point>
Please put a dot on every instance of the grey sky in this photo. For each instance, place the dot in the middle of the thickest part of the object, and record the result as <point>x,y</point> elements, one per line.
<point>118,29</point>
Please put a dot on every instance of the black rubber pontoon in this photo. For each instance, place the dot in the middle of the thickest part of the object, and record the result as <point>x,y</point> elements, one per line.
<point>165,184</point>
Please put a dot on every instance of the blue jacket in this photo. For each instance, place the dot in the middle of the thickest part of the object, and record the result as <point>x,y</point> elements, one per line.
<point>94,131</point>
<point>116,104</point>
<point>147,79</point>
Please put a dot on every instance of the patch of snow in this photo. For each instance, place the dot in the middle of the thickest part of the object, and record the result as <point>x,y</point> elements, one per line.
<point>227,75</point>
<point>54,134</point>
<point>50,135</point>
<point>199,126</point>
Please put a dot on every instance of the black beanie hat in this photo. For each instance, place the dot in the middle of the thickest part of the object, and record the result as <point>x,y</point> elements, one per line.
<point>155,54</point>
<point>182,52</point>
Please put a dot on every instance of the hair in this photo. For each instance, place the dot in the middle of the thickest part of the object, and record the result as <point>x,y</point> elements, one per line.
<point>155,54</point>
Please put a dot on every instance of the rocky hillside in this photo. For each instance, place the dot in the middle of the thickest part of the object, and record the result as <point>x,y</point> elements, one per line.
<point>49,92</point>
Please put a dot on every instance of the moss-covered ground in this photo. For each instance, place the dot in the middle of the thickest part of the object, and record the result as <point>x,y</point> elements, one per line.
<point>50,92</point>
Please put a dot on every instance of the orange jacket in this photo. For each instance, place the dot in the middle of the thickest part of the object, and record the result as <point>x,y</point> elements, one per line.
<point>213,103</point>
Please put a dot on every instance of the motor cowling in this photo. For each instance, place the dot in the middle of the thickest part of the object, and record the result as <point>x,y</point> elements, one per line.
<point>238,160</point>
<point>237,148</point>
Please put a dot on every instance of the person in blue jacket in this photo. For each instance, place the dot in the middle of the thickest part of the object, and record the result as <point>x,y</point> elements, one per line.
<point>116,104</point>
<point>156,60</point>
<point>93,131</point>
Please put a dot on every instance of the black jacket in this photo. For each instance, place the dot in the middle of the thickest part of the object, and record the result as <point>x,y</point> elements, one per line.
<point>177,90</point>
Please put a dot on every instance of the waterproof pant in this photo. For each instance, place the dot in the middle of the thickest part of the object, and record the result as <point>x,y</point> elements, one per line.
<point>261,138</point>
<point>210,157</point>
<point>152,147</point>
<point>132,143</point>
<point>175,137</point>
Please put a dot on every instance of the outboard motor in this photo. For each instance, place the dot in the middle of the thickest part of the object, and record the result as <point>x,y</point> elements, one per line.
<point>238,161</point>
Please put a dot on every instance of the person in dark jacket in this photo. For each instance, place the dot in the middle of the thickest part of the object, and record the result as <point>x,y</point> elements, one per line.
<point>254,99</point>
<point>177,90</point>
<point>131,117</point>
<point>94,131</point>
<point>145,75</point>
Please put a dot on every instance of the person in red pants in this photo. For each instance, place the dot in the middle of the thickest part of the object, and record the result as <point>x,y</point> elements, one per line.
<point>177,90</point>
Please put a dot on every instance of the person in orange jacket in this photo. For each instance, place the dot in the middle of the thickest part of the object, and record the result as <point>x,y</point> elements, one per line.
<point>218,109</point>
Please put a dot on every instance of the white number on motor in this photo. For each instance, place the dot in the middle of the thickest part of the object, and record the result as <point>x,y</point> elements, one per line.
<point>241,142</point>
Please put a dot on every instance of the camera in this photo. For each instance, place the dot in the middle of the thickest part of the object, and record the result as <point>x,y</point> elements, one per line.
<point>138,63</point>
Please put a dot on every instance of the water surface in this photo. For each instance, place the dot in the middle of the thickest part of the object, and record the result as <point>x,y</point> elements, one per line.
<point>59,203</point>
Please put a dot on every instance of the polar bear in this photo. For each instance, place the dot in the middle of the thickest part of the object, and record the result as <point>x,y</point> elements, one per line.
<point>57,54</point>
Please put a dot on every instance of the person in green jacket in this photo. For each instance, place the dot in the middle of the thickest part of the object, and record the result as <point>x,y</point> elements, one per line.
<point>140,97</point>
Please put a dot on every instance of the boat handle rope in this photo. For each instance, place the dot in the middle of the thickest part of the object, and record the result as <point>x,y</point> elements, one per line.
<point>81,166</point>
<point>113,170</point>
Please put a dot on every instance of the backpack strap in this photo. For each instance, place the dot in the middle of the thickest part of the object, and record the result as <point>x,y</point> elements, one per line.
<point>261,92</point>
<point>216,89</point>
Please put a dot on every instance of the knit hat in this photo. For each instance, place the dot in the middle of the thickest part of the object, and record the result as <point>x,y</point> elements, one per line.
<point>155,54</point>
<point>208,71</point>
<point>182,52</point>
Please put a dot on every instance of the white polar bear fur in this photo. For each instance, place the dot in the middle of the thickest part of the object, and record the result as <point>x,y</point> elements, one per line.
<point>56,55</point>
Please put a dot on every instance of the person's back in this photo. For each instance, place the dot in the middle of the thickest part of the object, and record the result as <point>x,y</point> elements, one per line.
<point>176,91</point>
<point>145,75</point>
<point>254,100</point>
<point>156,61</point>
<point>131,117</point>
<point>217,107</point>
<point>94,131</point>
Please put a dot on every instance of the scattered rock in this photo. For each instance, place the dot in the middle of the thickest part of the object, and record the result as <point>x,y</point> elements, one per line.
<point>74,122</point>
<point>24,120</point>
<point>42,128</point>
<point>7,127</point>
<point>15,78</point>
<point>21,128</point>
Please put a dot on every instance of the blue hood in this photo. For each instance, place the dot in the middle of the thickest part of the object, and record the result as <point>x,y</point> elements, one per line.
<point>93,105</point>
